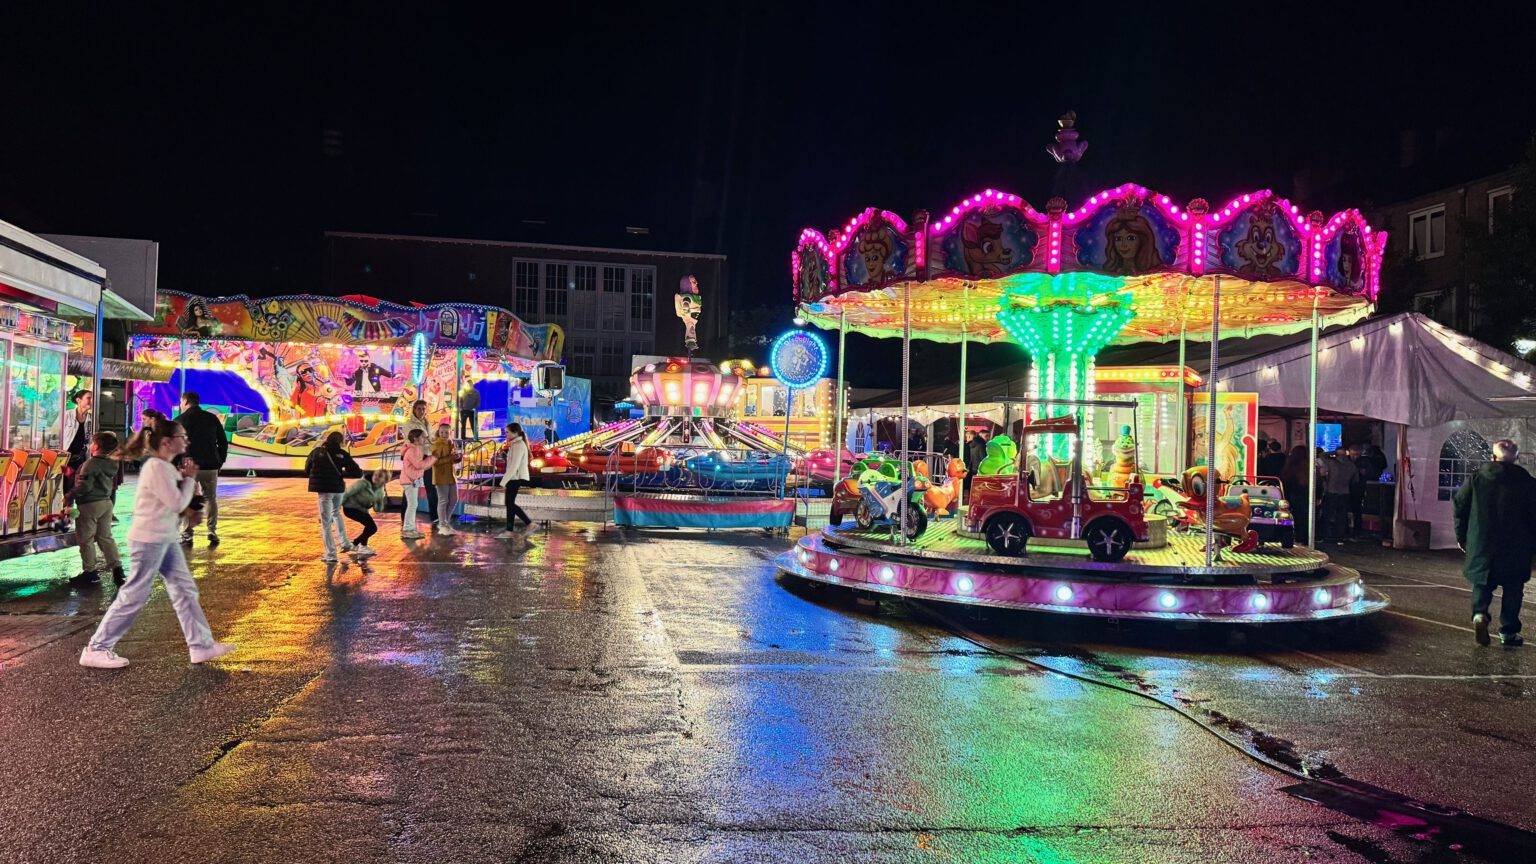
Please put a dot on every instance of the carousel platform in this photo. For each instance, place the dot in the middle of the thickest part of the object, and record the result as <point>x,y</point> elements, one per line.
<point>1168,583</point>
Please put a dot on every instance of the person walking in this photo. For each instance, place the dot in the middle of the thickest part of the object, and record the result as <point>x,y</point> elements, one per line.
<point>1495,510</point>
<point>469,410</point>
<point>418,420</point>
<point>444,457</point>
<point>515,478</point>
<point>93,495</point>
<point>163,493</point>
<point>208,446</point>
<point>328,468</point>
<point>1340,474</point>
<point>366,494</point>
<point>414,463</point>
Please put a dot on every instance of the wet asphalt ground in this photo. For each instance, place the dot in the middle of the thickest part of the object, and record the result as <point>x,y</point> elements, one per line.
<point>592,696</point>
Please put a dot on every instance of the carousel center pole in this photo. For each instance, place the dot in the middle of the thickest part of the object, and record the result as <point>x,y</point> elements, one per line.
<point>965,351</point>
<point>837,447</point>
<point>1212,489</point>
<point>1312,433</point>
<point>1181,461</point>
<point>906,397</point>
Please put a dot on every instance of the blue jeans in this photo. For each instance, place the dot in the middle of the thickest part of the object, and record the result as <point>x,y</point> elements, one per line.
<point>330,518</point>
<point>145,561</point>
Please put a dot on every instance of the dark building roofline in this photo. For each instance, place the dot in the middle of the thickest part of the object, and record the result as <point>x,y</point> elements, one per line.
<point>467,241</point>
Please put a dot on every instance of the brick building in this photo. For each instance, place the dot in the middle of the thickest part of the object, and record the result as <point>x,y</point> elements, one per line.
<point>1426,244</point>
<point>612,303</point>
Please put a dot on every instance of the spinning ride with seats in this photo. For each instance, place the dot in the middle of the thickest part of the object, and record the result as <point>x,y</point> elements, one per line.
<point>1128,265</point>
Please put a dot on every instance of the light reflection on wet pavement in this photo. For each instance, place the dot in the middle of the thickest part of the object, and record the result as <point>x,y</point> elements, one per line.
<point>592,696</point>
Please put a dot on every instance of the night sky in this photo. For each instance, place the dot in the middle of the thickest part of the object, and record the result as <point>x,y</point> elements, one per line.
<point>235,136</point>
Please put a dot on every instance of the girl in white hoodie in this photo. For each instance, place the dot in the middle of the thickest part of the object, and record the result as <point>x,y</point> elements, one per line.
<point>515,477</point>
<point>153,548</point>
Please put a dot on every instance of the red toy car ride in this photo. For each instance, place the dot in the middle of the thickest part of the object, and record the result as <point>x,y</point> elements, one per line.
<point>1008,509</point>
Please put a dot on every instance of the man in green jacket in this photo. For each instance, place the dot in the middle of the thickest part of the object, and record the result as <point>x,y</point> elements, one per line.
<point>1496,527</point>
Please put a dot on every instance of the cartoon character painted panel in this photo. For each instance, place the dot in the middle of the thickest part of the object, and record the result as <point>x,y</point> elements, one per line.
<point>1127,237</point>
<point>876,254</point>
<point>987,242</point>
<point>812,275</point>
<point>1237,424</point>
<point>1345,256</point>
<point>1261,243</point>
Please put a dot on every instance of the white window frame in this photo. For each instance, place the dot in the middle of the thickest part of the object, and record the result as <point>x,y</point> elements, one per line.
<point>1505,191</point>
<point>1427,214</point>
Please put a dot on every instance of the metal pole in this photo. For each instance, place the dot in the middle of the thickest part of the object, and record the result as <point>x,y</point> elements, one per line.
<point>906,396</point>
<point>789,409</point>
<point>182,372</point>
<point>965,351</point>
<point>96,368</point>
<point>837,448</point>
<point>1212,489</point>
<point>1182,460</point>
<point>1312,434</point>
<point>458,385</point>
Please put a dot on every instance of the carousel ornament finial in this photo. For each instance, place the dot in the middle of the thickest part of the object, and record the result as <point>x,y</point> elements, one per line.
<point>1198,207</point>
<point>1055,207</point>
<point>1068,148</point>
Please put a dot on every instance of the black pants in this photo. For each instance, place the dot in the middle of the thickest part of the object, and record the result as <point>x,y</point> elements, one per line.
<point>514,511</point>
<point>431,500</point>
<point>365,519</point>
<point>467,427</point>
<point>1509,604</point>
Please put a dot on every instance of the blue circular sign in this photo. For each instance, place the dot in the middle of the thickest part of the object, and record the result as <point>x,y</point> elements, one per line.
<point>798,359</point>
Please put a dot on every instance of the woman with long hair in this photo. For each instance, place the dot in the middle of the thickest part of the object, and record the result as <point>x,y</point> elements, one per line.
<point>328,469</point>
<point>1130,247</point>
<point>444,455</point>
<point>154,548</point>
<point>419,420</point>
<point>413,466</point>
<point>515,477</point>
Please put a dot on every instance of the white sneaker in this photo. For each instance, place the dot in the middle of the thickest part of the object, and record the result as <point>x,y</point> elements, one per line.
<point>506,535</point>
<point>445,531</point>
<point>364,552</point>
<point>102,659</point>
<point>410,535</point>
<point>329,557</point>
<point>347,548</point>
<point>212,652</point>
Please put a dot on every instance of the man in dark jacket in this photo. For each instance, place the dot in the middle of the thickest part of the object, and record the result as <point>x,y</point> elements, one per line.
<point>1495,515</point>
<point>975,452</point>
<point>208,446</point>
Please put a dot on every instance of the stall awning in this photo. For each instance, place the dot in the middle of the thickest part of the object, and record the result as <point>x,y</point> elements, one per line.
<point>31,264</point>
<point>1404,368</point>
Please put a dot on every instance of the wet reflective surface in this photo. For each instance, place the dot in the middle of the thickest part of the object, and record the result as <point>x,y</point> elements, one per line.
<point>662,696</point>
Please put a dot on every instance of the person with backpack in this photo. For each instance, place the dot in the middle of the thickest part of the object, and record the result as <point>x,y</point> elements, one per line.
<point>365,494</point>
<point>328,468</point>
<point>208,446</point>
<point>163,495</point>
<point>94,488</point>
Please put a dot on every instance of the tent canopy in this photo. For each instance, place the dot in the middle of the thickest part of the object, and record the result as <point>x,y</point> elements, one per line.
<point>1403,368</point>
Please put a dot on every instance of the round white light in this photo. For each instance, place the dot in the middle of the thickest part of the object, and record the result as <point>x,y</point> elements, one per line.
<point>1167,600</point>
<point>1260,601</point>
<point>1062,593</point>
<point>1322,597</point>
<point>832,565</point>
<point>1356,589</point>
<point>964,585</point>
<point>887,574</point>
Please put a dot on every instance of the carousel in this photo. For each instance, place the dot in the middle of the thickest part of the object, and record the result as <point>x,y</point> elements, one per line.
<point>1045,526</point>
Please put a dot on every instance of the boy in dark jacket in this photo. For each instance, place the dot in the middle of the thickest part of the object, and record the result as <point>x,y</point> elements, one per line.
<point>1495,511</point>
<point>208,446</point>
<point>94,487</point>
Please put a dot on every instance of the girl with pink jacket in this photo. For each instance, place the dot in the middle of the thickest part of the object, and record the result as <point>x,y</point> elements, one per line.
<point>414,462</point>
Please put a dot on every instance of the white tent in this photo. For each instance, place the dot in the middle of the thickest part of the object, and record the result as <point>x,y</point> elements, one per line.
<point>1450,393</point>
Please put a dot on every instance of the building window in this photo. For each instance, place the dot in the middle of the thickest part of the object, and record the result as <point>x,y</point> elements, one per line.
<point>584,311</point>
<point>527,303</point>
<point>586,277</point>
<point>612,361</point>
<point>1462,454</point>
<point>613,313</point>
<point>1500,200</point>
<point>527,274</point>
<point>613,280</point>
<point>1426,232</point>
<point>583,357</point>
<point>642,299</point>
<point>556,284</point>
<point>525,281</point>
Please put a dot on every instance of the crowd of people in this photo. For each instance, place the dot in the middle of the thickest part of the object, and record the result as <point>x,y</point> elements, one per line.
<point>178,467</point>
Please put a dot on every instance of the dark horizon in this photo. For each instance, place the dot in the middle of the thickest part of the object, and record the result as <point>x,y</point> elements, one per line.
<point>236,139</point>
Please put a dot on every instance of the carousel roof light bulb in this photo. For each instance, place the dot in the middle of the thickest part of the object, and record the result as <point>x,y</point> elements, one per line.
<point>1322,597</point>
<point>1167,600</point>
